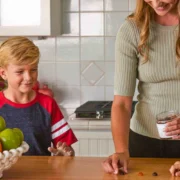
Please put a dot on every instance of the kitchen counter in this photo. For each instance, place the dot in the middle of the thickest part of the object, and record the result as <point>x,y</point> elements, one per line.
<point>79,168</point>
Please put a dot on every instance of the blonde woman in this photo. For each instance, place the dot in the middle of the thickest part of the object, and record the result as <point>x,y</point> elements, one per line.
<point>147,49</point>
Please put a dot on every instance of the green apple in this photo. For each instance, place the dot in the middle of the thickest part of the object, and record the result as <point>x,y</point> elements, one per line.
<point>2,123</point>
<point>9,139</point>
<point>20,133</point>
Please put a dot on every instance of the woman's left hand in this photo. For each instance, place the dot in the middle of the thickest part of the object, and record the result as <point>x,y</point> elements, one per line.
<point>174,170</point>
<point>173,128</point>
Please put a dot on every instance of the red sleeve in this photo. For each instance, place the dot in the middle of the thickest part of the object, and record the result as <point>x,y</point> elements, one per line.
<point>60,128</point>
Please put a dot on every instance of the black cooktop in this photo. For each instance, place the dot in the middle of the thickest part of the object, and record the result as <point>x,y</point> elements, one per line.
<point>91,108</point>
<point>96,109</point>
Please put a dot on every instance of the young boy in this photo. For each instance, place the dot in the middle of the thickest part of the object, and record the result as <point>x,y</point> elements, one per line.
<point>36,114</point>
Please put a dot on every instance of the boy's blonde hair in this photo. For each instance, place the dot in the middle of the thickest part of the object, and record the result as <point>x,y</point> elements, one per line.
<point>18,50</point>
<point>142,16</point>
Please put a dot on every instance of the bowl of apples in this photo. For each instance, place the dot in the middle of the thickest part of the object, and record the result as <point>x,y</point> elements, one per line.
<point>12,146</point>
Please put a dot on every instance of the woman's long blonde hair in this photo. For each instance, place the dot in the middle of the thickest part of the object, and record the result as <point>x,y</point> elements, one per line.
<point>142,16</point>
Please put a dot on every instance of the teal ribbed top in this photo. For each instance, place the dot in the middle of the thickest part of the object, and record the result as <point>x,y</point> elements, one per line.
<point>159,78</point>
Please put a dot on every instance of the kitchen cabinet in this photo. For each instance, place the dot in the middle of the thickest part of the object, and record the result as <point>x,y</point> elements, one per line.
<point>30,17</point>
<point>94,136</point>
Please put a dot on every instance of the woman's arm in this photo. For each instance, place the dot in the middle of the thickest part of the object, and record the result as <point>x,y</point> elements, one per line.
<point>120,122</point>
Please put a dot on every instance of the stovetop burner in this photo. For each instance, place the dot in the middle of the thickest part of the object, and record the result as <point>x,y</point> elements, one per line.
<point>96,109</point>
<point>91,108</point>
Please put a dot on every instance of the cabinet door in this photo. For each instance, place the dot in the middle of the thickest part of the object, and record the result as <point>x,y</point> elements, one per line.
<point>95,143</point>
<point>20,13</point>
<point>25,17</point>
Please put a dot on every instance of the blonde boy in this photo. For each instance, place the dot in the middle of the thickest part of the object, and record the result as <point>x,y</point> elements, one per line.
<point>37,115</point>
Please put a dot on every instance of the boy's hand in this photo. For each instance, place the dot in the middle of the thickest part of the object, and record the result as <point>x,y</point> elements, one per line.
<point>175,169</point>
<point>62,149</point>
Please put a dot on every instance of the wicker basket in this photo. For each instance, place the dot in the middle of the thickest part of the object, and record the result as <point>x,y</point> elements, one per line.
<point>8,158</point>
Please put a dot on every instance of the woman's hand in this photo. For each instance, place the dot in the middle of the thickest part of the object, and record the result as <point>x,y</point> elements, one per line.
<point>173,128</point>
<point>115,162</point>
<point>62,149</point>
<point>175,169</point>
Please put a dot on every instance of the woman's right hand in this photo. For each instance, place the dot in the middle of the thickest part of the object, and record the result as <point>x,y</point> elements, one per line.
<point>115,162</point>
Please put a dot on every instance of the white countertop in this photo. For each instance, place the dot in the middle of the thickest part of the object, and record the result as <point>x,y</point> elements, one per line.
<point>89,123</point>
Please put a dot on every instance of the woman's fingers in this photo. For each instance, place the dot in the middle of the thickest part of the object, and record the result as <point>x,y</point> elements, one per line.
<point>125,166</point>
<point>115,160</point>
<point>173,125</point>
<point>107,165</point>
<point>108,168</point>
<point>173,133</point>
<point>176,137</point>
<point>173,128</point>
<point>175,169</point>
<point>170,129</point>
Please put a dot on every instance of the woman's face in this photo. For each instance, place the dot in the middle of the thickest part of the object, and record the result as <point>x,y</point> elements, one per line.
<point>163,7</point>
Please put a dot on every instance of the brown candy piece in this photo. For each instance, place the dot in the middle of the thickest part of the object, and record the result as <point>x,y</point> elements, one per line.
<point>155,174</point>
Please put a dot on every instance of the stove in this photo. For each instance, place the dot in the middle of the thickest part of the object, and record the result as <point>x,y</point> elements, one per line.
<point>96,109</point>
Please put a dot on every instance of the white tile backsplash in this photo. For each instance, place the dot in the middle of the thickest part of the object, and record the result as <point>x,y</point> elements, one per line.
<point>116,5</point>
<point>92,93</point>
<point>132,5</point>
<point>109,48</point>
<point>92,48</point>
<point>92,24</point>
<point>96,5</point>
<point>70,24</point>
<point>109,91</point>
<point>47,49</point>
<point>71,5</point>
<point>67,49</point>
<point>113,21</point>
<point>109,78</point>
<point>47,73</point>
<point>68,97</point>
<point>68,73</point>
<point>93,73</point>
<point>79,64</point>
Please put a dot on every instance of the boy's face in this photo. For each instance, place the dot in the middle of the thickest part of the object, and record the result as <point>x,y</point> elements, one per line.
<point>20,77</point>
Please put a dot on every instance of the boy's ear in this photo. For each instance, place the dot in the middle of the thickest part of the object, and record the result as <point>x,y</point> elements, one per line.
<point>3,73</point>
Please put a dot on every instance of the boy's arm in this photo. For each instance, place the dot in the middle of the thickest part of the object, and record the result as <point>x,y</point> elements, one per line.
<point>60,129</point>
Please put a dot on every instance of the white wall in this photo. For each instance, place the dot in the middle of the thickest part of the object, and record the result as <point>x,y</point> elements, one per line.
<point>79,65</point>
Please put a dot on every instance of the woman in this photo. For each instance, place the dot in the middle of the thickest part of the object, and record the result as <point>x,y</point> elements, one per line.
<point>147,48</point>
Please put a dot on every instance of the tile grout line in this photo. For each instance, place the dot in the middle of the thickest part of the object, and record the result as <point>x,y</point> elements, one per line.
<point>80,60</point>
<point>104,49</point>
